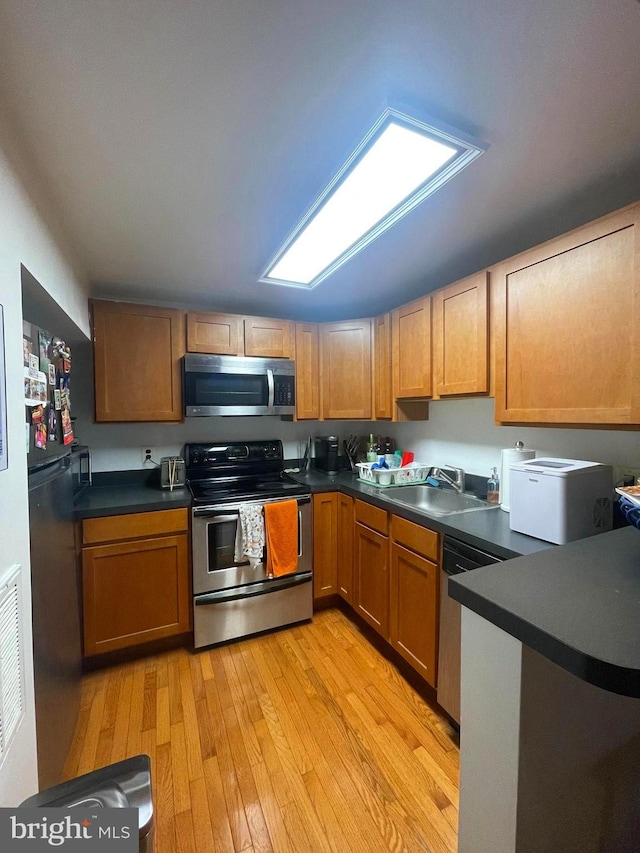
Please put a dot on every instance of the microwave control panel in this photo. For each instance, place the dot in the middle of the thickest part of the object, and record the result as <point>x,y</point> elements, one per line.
<point>284,391</point>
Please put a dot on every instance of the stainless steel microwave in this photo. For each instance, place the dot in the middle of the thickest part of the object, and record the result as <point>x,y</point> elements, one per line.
<point>231,385</point>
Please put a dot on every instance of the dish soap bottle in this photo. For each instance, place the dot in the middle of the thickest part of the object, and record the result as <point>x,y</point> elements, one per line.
<point>371,450</point>
<point>493,487</point>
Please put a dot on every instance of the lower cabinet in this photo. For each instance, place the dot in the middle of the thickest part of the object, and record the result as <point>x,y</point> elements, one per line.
<point>325,544</point>
<point>413,610</point>
<point>136,579</point>
<point>386,567</point>
<point>345,547</point>
<point>371,569</point>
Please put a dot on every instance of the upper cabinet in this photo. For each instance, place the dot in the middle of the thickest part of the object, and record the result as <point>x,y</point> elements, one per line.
<point>217,334</point>
<point>567,335</point>
<point>137,362</point>
<point>232,334</point>
<point>268,338</point>
<point>307,372</point>
<point>346,370</point>
<point>460,332</point>
<point>383,402</point>
<point>411,335</point>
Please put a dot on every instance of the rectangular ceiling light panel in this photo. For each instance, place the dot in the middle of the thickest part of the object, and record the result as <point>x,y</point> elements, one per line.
<point>400,163</point>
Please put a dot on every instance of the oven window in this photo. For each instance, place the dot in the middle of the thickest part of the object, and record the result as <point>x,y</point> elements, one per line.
<point>221,540</point>
<point>226,389</point>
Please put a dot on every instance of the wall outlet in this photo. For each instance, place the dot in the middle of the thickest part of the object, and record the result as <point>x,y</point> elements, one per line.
<point>625,475</point>
<point>147,453</point>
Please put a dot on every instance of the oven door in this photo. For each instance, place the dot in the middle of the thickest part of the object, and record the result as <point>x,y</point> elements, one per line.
<point>213,540</point>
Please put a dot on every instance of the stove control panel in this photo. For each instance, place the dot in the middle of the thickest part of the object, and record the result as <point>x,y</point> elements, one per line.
<point>240,454</point>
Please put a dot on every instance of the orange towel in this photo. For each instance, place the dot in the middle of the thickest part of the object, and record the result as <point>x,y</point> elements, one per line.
<point>281,533</point>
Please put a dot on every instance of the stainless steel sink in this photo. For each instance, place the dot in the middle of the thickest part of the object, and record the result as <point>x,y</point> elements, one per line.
<point>438,502</point>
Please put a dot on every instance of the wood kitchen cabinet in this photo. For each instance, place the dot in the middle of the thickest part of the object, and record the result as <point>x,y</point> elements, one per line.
<point>307,371</point>
<point>371,567</point>
<point>137,362</point>
<point>325,544</point>
<point>345,353</point>
<point>411,340</point>
<point>413,596</point>
<point>268,338</point>
<point>215,334</point>
<point>383,402</point>
<point>135,578</point>
<point>345,546</point>
<point>567,336</point>
<point>233,334</point>
<point>460,337</point>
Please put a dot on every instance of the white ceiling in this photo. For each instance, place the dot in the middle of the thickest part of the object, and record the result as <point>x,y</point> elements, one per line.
<point>181,140</point>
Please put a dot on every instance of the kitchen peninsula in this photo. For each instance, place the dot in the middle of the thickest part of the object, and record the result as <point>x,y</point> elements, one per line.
<point>551,700</point>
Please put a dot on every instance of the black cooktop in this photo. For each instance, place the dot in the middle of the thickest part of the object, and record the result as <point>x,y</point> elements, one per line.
<point>246,470</point>
<point>216,491</point>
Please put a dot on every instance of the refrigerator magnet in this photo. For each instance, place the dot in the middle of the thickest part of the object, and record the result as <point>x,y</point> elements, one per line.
<point>41,436</point>
<point>34,365</point>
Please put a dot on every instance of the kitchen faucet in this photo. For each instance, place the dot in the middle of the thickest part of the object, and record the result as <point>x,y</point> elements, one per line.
<point>458,484</point>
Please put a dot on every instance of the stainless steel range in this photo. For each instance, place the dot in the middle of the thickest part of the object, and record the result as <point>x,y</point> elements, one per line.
<point>233,598</point>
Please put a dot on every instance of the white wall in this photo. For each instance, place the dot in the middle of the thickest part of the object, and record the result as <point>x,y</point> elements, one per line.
<point>24,239</point>
<point>458,432</point>
<point>463,433</point>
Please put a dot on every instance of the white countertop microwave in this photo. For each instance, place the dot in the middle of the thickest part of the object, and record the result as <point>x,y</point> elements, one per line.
<point>232,385</point>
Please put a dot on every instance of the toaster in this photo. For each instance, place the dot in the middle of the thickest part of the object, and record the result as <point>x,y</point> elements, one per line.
<point>172,472</point>
<point>560,500</point>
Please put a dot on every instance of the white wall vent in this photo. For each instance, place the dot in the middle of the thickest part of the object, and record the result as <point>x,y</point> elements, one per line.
<point>12,698</point>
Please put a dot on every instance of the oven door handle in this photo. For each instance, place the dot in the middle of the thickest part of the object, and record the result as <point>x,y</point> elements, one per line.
<point>271,386</point>
<point>218,519</point>
<point>212,511</point>
<point>263,588</point>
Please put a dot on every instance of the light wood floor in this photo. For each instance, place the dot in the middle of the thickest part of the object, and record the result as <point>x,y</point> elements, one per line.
<point>305,740</point>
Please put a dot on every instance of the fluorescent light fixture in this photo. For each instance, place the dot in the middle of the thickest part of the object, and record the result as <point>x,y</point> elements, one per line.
<point>400,162</point>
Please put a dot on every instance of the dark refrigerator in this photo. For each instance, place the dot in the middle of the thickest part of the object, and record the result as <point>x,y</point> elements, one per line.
<point>57,642</point>
<point>58,470</point>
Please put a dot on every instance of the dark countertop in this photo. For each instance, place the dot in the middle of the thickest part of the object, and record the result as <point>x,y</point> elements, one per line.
<point>577,604</point>
<point>118,495</point>
<point>486,529</point>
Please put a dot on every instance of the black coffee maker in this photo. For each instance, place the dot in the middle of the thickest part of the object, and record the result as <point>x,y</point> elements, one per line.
<point>326,453</point>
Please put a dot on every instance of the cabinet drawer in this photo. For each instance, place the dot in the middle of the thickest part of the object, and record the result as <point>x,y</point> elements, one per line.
<point>134,526</point>
<point>419,539</point>
<point>372,516</point>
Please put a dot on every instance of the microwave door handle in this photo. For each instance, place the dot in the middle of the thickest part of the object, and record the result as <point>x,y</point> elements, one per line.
<point>271,386</point>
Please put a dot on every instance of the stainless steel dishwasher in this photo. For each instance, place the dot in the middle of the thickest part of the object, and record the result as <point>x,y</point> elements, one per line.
<point>457,557</point>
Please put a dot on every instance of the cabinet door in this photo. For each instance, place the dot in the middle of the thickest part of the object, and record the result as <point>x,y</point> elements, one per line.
<point>135,592</point>
<point>413,627</point>
<point>307,372</point>
<point>216,334</point>
<point>382,376</point>
<point>371,594</point>
<point>461,323</point>
<point>325,544</point>
<point>411,334</point>
<point>345,547</point>
<point>346,370</point>
<point>567,331</point>
<point>268,338</point>
<point>137,362</point>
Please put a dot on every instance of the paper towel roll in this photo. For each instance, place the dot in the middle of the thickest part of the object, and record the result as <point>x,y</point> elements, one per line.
<point>511,456</point>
